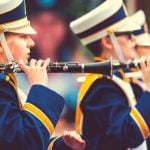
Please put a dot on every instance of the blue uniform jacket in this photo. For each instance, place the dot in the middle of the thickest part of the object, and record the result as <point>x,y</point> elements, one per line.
<point>109,123</point>
<point>28,127</point>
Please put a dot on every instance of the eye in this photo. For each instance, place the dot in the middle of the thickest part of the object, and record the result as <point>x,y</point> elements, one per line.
<point>23,36</point>
<point>127,34</point>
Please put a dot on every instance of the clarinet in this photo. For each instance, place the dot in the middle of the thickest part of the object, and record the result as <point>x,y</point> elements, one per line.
<point>104,67</point>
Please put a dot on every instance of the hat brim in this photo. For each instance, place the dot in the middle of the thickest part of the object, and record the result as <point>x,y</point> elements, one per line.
<point>126,25</point>
<point>139,17</point>
<point>143,39</point>
<point>25,30</point>
<point>19,26</point>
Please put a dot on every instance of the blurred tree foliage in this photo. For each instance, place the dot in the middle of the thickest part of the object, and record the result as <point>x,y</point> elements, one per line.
<point>78,8</point>
<point>70,8</point>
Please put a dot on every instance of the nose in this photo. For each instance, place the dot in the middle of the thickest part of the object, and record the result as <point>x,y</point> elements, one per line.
<point>133,40</point>
<point>30,42</point>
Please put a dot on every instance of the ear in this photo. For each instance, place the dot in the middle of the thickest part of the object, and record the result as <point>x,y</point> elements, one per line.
<point>106,43</point>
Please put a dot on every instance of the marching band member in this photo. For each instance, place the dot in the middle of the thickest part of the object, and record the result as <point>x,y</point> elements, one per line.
<point>28,126</point>
<point>109,114</point>
<point>143,49</point>
<point>142,46</point>
<point>142,35</point>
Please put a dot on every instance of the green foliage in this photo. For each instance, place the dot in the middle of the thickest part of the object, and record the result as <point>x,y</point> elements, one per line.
<point>78,8</point>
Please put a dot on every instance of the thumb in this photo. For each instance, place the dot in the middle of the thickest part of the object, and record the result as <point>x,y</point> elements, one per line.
<point>22,65</point>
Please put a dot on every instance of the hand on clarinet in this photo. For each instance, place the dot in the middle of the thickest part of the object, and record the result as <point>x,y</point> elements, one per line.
<point>36,71</point>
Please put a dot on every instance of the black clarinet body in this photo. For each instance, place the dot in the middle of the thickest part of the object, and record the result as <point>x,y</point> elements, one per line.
<point>105,67</point>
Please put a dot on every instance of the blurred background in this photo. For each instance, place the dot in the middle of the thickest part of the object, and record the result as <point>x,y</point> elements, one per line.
<point>51,19</point>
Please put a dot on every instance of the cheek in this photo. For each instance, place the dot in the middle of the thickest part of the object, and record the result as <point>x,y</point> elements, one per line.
<point>127,49</point>
<point>124,46</point>
<point>17,49</point>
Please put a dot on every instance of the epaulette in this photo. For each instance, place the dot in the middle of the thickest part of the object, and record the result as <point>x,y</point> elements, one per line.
<point>90,79</point>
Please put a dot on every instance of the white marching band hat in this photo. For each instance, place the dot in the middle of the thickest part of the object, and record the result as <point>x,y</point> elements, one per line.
<point>142,35</point>
<point>13,19</point>
<point>110,16</point>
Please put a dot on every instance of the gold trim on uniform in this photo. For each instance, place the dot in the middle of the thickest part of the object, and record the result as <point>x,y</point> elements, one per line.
<point>99,59</point>
<point>50,147</point>
<point>83,90</point>
<point>10,78</point>
<point>40,115</point>
<point>140,122</point>
<point>124,78</point>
